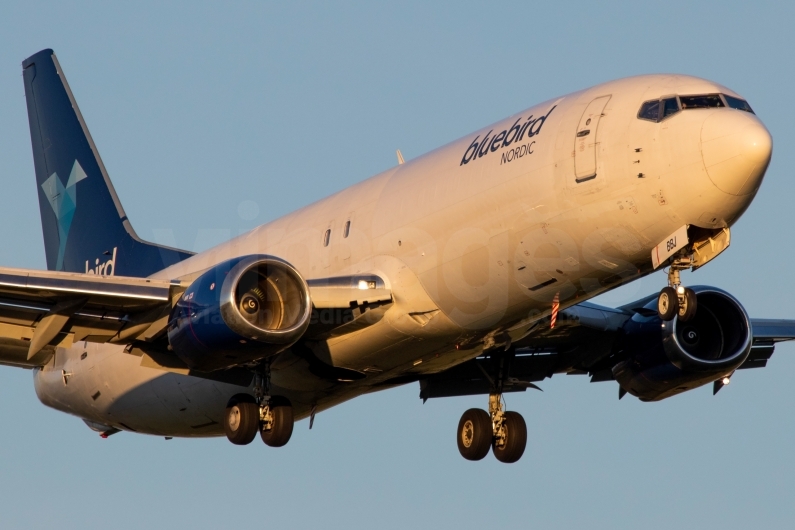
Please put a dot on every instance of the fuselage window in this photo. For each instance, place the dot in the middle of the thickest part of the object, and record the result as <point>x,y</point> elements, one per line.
<point>327,237</point>
<point>737,103</point>
<point>701,102</point>
<point>650,110</point>
<point>347,229</point>
<point>670,106</point>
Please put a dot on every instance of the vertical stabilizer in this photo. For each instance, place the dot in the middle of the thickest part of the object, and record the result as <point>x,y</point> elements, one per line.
<point>85,228</point>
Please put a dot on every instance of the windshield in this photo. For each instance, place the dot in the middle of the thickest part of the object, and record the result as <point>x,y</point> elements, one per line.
<point>659,109</point>
<point>701,102</point>
<point>737,103</point>
<point>650,111</point>
<point>670,106</point>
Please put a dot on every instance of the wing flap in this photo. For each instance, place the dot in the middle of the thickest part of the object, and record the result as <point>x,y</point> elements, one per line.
<point>15,346</point>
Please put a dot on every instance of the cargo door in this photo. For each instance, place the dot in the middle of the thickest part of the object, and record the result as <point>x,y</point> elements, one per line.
<point>586,140</point>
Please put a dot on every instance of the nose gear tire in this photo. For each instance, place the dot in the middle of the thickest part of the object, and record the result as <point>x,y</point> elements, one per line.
<point>688,310</point>
<point>515,439</point>
<point>667,304</point>
<point>474,434</point>
<point>241,421</point>
<point>282,426</point>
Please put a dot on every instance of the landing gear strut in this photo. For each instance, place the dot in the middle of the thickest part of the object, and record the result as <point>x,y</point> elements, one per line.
<point>276,421</point>
<point>272,416</point>
<point>505,432</point>
<point>676,299</point>
<point>509,434</point>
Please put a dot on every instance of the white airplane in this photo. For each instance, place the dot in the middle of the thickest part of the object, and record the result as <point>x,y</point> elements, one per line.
<point>467,270</point>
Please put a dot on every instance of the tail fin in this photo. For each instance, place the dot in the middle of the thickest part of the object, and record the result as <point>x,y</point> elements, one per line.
<point>94,235</point>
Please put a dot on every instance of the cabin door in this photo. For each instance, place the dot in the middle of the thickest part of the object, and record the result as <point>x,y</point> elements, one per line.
<point>585,142</point>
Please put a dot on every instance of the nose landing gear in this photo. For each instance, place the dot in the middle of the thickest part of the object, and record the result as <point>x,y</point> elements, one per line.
<point>676,299</point>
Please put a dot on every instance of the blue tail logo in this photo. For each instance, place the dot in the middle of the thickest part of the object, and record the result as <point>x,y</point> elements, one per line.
<point>99,231</point>
<point>64,202</point>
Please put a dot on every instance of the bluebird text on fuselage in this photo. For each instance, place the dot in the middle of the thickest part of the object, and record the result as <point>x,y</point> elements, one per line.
<point>489,144</point>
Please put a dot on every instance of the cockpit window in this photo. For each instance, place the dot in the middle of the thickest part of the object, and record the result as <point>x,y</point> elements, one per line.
<point>737,103</point>
<point>701,102</point>
<point>650,111</point>
<point>670,106</point>
<point>658,110</point>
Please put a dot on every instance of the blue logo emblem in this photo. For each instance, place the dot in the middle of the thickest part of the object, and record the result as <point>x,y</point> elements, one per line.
<point>64,202</point>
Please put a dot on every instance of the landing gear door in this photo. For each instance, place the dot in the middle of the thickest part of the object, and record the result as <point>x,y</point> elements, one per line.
<point>585,141</point>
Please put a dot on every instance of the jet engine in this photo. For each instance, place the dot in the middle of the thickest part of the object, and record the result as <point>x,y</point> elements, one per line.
<point>241,310</point>
<point>666,358</point>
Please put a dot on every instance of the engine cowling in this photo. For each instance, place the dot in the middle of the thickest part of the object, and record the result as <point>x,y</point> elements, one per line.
<point>667,358</point>
<point>241,310</point>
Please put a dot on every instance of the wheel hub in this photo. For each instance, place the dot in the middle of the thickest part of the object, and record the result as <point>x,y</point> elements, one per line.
<point>664,303</point>
<point>468,434</point>
<point>234,418</point>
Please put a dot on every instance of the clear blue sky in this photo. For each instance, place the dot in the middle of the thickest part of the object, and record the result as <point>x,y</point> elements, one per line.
<point>199,107</point>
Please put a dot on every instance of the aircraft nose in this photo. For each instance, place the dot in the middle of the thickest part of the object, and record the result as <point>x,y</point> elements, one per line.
<point>736,149</point>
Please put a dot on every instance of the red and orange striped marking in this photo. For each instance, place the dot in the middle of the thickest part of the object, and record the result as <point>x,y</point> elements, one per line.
<point>555,308</point>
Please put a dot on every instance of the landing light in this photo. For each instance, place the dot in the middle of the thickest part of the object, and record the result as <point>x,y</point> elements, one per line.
<point>725,381</point>
<point>680,290</point>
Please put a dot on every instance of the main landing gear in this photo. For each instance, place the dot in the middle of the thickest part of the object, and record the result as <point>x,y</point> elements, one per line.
<point>504,432</point>
<point>271,416</point>
<point>676,299</point>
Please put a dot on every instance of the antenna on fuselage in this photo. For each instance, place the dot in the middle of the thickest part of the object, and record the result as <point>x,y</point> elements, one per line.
<point>400,157</point>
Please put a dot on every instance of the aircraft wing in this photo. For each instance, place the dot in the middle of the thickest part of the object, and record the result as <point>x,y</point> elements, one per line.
<point>583,342</point>
<point>767,332</point>
<point>40,310</point>
<point>43,309</point>
<point>773,329</point>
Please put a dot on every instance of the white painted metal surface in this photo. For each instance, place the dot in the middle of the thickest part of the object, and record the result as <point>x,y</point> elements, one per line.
<point>473,241</point>
<point>586,139</point>
<point>669,246</point>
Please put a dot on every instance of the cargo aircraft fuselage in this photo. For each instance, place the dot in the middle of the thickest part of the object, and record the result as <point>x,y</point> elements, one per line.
<point>480,244</point>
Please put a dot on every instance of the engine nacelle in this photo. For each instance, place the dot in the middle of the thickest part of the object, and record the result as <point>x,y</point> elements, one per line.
<point>666,358</point>
<point>242,310</point>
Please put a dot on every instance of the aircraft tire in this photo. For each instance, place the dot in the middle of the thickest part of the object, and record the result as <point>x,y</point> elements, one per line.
<point>241,420</point>
<point>688,310</point>
<point>667,304</point>
<point>281,431</point>
<point>474,434</point>
<point>515,439</point>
